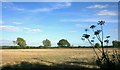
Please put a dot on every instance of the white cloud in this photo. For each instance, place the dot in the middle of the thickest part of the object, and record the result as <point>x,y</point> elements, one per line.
<point>107,13</point>
<point>80,20</point>
<point>15,28</point>
<point>16,23</point>
<point>62,5</point>
<point>26,28</point>
<point>18,9</point>
<point>10,5</point>
<point>98,6</point>
<point>90,20</point>
<point>82,25</point>
<point>9,28</point>
<point>51,8</point>
<point>43,9</point>
<point>6,42</point>
<point>34,30</point>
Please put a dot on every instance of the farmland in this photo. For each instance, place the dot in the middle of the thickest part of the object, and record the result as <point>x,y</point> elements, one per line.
<point>84,57</point>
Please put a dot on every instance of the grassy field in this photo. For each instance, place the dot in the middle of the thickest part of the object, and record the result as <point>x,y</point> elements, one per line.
<point>83,57</point>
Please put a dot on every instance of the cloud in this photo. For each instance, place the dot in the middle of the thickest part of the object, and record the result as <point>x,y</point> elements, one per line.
<point>62,5</point>
<point>82,25</point>
<point>80,20</point>
<point>107,13</point>
<point>10,5</point>
<point>89,20</point>
<point>26,28</point>
<point>35,30</point>
<point>15,28</point>
<point>18,9</point>
<point>17,23</point>
<point>98,6</point>
<point>52,7</point>
<point>9,28</point>
<point>43,9</point>
<point>32,29</point>
<point>6,42</point>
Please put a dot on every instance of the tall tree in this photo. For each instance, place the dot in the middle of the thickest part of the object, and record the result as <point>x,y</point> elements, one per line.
<point>21,42</point>
<point>63,43</point>
<point>46,43</point>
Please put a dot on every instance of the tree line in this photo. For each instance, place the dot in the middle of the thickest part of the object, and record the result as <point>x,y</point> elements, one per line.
<point>46,43</point>
<point>65,43</point>
<point>61,43</point>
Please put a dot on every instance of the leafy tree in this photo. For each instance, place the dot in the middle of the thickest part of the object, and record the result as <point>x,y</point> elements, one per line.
<point>46,43</point>
<point>116,43</point>
<point>21,42</point>
<point>63,43</point>
<point>97,45</point>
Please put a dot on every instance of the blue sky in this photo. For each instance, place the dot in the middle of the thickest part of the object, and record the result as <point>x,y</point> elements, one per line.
<point>36,21</point>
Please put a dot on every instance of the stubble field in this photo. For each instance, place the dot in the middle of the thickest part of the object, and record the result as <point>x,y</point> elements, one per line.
<point>84,57</point>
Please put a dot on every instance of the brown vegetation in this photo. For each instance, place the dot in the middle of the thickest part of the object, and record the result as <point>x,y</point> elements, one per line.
<point>50,56</point>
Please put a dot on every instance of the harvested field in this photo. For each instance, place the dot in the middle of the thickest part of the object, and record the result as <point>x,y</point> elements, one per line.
<point>81,57</point>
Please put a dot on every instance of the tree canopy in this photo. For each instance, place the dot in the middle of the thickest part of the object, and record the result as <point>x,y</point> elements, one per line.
<point>97,45</point>
<point>46,43</point>
<point>21,42</point>
<point>116,43</point>
<point>63,43</point>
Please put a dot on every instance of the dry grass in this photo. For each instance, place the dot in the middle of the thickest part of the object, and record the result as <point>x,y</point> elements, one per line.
<point>47,56</point>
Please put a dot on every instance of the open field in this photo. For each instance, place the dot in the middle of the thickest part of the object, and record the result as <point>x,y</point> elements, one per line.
<point>81,57</point>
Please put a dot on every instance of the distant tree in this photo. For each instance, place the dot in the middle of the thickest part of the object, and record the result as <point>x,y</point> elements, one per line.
<point>21,42</point>
<point>97,45</point>
<point>116,43</point>
<point>46,43</point>
<point>63,43</point>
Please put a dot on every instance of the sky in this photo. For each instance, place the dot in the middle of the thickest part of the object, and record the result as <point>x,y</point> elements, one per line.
<point>37,21</point>
<point>60,0</point>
